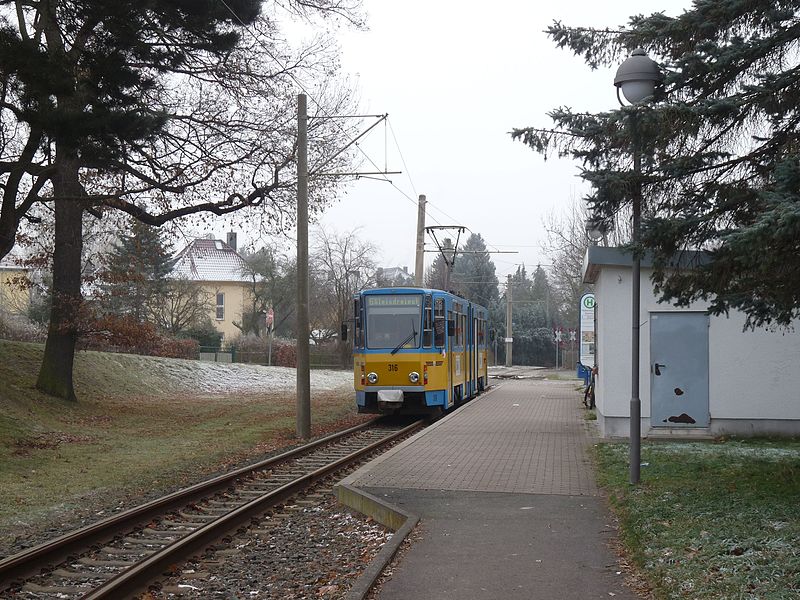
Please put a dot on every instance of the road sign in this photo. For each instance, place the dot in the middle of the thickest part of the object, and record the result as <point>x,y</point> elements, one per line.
<point>587,308</point>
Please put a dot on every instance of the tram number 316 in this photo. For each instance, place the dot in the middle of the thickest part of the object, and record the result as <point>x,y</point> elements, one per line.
<point>393,366</point>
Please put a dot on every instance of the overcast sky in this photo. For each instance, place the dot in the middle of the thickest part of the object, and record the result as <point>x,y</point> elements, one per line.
<point>455,78</point>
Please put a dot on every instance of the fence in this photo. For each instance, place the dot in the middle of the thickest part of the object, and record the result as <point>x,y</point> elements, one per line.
<point>318,358</point>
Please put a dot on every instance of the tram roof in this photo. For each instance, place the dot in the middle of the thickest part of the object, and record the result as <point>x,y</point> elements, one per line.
<point>416,290</point>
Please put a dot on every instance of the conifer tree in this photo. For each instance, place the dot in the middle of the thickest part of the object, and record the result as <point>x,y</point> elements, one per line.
<point>137,269</point>
<point>719,145</point>
<point>435,273</point>
<point>532,333</point>
<point>474,272</point>
<point>158,109</point>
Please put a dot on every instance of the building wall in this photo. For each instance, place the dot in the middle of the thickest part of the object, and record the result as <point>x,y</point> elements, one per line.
<point>753,375</point>
<point>15,297</point>
<point>235,296</point>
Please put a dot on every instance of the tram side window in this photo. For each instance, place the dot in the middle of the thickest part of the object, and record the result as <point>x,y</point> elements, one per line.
<point>358,338</point>
<point>438,323</point>
<point>452,317</point>
<point>427,323</point>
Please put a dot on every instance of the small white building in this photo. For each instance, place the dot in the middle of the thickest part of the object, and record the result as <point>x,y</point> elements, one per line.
<point>699,374</point>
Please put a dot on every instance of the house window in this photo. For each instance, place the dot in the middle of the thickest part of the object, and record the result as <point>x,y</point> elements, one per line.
<point>220,306</point>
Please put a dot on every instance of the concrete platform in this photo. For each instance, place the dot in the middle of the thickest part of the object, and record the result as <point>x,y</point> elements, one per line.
<point>507,501</point>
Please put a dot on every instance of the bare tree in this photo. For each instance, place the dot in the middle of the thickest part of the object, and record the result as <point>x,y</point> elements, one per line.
<point>271,284</point>
<point>565,245</point>
<point>342,265</point>
<point>159,110</point>
<point>183,304</point>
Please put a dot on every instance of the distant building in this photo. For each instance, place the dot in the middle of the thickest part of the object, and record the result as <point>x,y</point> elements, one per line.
<point>393,277</point>
<point>221,271</point>
<point>15,295</point>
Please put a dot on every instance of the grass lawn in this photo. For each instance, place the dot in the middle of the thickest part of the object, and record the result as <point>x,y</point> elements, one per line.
<point>710,520</point>
<point>140,427</point>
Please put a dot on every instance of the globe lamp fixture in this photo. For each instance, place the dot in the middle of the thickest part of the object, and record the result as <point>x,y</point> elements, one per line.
<point>637,77</point>
<point>595,229</point>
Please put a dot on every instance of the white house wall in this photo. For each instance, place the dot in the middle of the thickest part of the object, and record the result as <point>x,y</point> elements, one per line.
<point>753,375</point>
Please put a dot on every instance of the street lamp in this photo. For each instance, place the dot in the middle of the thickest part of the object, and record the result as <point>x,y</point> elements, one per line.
<point>636,78</point>
<point>596,230</point>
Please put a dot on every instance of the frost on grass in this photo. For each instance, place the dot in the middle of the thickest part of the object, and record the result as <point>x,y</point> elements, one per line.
<point>191,375</point>
<point>732,449</point>
<point>717,520</point>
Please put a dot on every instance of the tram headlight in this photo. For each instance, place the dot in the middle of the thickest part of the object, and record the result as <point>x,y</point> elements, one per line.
<point>413,377</point>
<point>372,377</point>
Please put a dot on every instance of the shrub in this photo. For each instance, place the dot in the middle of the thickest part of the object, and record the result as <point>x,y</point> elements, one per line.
<point>284,353</point>
<point>251,348</point>
<point>204,334</point>
<point>178,348</point>
<point>20,329</point>
<point>121,333</point>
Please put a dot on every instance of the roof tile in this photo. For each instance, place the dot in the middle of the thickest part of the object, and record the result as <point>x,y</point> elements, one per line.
<point>210,260</point>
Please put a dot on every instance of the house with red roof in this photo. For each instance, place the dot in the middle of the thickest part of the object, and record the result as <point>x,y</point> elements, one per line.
<point>221,271</point>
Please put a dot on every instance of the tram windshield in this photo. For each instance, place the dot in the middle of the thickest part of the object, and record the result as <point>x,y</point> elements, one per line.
<point>393,321</point>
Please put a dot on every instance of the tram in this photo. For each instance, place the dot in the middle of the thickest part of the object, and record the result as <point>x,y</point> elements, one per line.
<point>417,350</point>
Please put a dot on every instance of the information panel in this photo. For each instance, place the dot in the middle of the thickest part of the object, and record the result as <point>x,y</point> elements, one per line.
<point>395,300</point>
<point>587,356</point>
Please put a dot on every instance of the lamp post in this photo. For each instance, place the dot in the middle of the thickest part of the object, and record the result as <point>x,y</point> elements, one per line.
<point>636,78</point>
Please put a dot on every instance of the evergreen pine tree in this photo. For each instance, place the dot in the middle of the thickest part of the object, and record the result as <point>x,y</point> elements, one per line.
<point>435,274</point>
<point>137,269</point>
<point>719,147</point>
<point>474,272</point>
<point>533,339</point>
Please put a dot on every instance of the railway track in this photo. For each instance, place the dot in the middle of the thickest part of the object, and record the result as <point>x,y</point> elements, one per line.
<point>119,556</point>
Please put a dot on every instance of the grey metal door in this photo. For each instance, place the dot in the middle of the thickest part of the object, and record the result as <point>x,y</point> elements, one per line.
<point>679,369</point>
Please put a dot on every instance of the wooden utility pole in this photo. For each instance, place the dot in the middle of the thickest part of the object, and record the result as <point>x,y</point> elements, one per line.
<point>509,337</point>
<point>419,266</point>
<point>303,356</point>
<point>303,362</point>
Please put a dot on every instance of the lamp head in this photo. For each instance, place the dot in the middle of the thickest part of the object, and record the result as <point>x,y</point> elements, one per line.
<point>638,76</point>
<point>595,229</point>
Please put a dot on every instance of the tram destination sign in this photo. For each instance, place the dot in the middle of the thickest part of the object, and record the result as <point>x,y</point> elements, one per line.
<point>404,300</point>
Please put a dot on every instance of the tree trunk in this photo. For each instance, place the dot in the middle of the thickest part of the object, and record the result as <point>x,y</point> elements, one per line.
<point>55,376</point>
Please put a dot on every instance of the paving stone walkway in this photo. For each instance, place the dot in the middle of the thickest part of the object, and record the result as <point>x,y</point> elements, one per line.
<point>522,437</point>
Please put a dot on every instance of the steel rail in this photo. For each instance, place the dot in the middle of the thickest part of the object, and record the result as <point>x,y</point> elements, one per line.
<point>135,580</point>
<point>28,562</point>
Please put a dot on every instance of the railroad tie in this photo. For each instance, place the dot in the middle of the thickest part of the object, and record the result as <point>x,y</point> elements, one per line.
<point>82,575</point>
<point>93,562</point>
<point>124,551</point>
<point>196,516</point>
<point>52,590</point>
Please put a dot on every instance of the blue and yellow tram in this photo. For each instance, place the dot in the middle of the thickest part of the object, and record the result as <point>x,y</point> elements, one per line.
<point>417,351</point>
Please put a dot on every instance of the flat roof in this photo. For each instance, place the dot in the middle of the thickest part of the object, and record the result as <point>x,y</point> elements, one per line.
<point>598,257</point>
